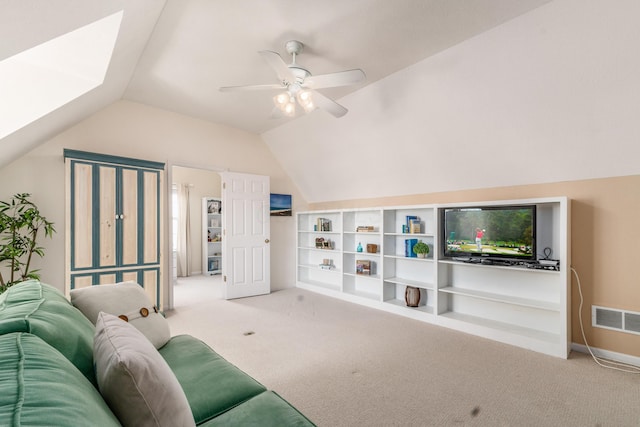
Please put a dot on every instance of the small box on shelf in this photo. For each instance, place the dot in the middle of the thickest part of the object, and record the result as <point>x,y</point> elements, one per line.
<point>327,264</point>
<point>364,267</point>
<point>322,243</point>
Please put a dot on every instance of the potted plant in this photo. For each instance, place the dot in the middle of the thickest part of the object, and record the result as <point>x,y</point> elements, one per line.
<point>20,222</point>
<point>421,249</point>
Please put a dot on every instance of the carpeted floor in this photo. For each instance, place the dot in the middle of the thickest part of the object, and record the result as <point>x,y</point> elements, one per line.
<point>342,364</point>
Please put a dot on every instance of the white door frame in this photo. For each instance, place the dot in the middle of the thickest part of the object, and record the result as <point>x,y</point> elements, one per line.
<point>167,282</point>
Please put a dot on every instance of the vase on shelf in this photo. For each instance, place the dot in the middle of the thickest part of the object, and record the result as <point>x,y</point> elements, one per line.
<point>412,296</point>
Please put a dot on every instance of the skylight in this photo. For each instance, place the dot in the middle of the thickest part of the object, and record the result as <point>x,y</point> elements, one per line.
<point>39,80</point>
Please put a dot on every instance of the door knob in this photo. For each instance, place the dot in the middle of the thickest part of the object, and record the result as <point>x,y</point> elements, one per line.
<point>266,240</point>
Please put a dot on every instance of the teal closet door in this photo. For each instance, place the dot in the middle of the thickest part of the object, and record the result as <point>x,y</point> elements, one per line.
<point>114,207</point>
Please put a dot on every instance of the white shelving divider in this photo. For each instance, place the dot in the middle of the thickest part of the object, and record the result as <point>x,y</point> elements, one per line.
<point>525,307</point>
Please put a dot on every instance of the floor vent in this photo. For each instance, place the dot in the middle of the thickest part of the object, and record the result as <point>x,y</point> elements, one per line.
<point>618,320</point>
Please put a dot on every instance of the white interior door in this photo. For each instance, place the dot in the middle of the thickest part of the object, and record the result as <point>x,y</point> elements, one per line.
<point>246,234</point>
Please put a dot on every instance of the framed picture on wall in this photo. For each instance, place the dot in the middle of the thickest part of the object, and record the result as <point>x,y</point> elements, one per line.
<point>281,205</point>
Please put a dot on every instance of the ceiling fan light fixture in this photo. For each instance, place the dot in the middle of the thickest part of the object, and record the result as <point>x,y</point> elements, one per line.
<point>281,99</point>
<point>298,85</point>
<point>289,109</point>
<point>285,103</point>
<point>305,99</point>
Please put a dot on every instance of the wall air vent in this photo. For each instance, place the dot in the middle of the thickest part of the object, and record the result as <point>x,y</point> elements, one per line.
<point>618,320</point>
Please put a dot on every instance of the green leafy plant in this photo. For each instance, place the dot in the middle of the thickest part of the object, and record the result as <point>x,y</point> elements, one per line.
<point>421,248</point>
<point>20,222</point>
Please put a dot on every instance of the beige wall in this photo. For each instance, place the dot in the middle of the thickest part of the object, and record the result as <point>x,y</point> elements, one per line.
<point>604,233</point>
<point>134,130</point>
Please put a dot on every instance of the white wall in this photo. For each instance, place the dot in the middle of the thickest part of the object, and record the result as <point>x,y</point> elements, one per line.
<point>135,130</point>
<point>552,95</point>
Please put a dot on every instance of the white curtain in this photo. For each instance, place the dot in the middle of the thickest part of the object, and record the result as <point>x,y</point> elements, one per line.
<point>184,232</point>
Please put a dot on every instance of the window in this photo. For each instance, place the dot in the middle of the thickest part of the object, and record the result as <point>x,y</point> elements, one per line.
<point>39,80</point>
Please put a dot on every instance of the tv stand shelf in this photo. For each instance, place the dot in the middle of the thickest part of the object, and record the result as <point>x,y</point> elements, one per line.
<point>514,304</point>
<point>492,326</point>
<point>507,299</point>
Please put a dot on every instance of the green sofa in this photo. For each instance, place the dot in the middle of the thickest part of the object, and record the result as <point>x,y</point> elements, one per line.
<point>47,371</point>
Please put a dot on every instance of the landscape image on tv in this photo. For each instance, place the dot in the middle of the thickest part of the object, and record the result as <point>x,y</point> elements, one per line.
<point>499,232</point>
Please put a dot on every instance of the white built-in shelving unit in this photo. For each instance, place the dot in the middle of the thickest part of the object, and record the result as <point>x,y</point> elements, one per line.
<point>212,235</point>
<point>526,307</point>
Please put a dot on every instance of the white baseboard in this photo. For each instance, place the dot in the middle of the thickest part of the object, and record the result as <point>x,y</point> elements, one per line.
<point>606,354</point>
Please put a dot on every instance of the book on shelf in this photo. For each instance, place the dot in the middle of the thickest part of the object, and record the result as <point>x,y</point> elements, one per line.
<point>408,247</point>
<point>323,224</point>
<point>414,226</point>
<point>408,220</point>
<point>365,229</point>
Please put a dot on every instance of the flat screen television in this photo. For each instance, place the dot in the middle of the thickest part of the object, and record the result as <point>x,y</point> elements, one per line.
<point>500,232</point>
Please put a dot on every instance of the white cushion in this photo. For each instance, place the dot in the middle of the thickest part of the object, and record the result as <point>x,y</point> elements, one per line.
<point>128,299</point>
<point>134,379</point>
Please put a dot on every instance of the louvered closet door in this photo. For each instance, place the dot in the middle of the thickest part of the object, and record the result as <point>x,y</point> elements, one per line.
<point>113,227</point>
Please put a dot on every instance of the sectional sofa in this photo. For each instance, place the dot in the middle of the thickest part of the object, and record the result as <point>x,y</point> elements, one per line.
<point>50,371</point>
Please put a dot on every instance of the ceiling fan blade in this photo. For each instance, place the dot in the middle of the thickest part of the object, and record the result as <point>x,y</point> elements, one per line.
<point>342,78</point>
<point>275,61</point>
<point>274,86</point>
<point>328,104</point>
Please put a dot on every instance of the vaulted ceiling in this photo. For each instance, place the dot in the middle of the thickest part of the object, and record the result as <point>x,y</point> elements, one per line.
<point>176,54</point>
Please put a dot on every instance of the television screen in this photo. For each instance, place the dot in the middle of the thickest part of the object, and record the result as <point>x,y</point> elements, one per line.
<point>489,231</point>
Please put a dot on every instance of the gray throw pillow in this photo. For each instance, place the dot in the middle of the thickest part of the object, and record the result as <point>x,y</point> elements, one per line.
<point>134,379</point>
<point>126,299</point>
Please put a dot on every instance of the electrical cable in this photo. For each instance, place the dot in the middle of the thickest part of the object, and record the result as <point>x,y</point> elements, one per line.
<point>624,367</point>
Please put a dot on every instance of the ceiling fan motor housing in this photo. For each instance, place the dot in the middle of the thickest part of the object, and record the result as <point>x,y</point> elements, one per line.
<point>294,47</point>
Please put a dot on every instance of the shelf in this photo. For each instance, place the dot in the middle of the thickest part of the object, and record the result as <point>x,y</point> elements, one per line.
<point>370,233</point>
<point>425,235</point>
<point>316,267</point>
<point>501,267</point>
<point>318,232</point>
<point>366,276</point>
<point>504,327</point>
<point>403,304</point>
<point>409,282</point>
<point>363,294</point>
<point>507,299</point>
<point>377,254</point>
<point>311,248</point>
<point>408,258</point>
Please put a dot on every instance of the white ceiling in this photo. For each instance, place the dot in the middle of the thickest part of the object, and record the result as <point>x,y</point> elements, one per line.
<point>176,57</point>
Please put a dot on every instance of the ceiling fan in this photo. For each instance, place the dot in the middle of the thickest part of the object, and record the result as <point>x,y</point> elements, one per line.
<point>297,84</point>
